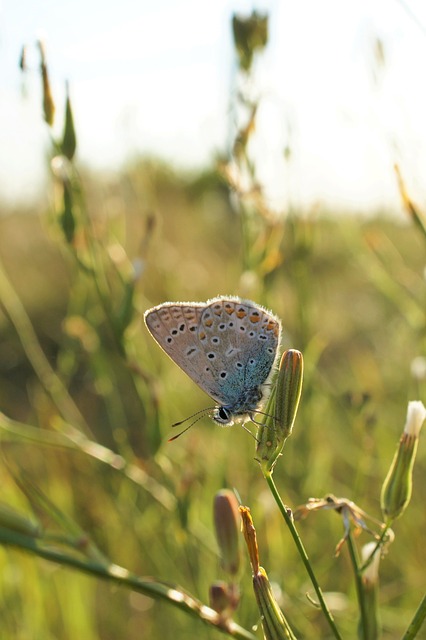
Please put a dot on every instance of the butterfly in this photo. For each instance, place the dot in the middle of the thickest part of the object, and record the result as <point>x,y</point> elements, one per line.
<point>228,346</point>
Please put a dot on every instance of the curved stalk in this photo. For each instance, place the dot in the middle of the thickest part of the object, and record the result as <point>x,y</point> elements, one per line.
<point>301,549</point>
<point>173,594</point>
<point>358,581</point>
<point>417,621</point>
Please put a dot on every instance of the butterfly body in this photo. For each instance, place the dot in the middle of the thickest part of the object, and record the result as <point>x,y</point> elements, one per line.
<point>227,345</point>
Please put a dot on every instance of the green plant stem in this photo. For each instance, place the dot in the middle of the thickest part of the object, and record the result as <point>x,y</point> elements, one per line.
<point>290,524</point>
<point>358,580</point>
<point>71,438</point>
<point>50,381</point>
<point>173,594</point>
<point>417,621</point>
<point>373,553</point>
<point>97,269</point>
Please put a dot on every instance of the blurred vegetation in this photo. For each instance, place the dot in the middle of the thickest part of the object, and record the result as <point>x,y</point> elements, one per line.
<point>88,397</point>
<point>351,294</point>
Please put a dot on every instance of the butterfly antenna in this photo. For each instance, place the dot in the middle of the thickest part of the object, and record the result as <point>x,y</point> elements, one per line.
<point>197,413</point>
<point>188,427</point>
<point>179,434</point>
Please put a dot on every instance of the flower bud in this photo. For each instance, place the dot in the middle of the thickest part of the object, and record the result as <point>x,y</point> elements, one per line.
<point>67,218</point>
<point>226,522</point>
<point>250,537</point>
<point>250,34</point>
<point>281,410</point>
<point>218,596</point>
<point>69,140</point>
<point>48,103</point>
<point>23,59</point>
<point>396,490</point>
<point>370,575</point>
<point>224,598</point>
<point>274,623</point>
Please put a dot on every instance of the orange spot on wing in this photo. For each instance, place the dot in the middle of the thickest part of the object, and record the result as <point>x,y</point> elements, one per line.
<point>208,323</point>
<point>254,318</point>
<point>241,313</point>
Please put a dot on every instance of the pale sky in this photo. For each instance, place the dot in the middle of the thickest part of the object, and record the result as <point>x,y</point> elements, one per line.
<point>155,77</point>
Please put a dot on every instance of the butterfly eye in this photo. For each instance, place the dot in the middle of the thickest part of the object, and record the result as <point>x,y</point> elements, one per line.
<point>223,414</point>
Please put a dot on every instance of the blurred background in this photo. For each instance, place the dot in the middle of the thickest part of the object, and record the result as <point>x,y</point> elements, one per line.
<point>341,90</point>
<point>178,151</point>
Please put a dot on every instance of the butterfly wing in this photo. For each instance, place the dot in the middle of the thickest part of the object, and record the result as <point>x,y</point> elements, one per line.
<point>175,327</point>
<point>241,340</point>
<point>225,346</point>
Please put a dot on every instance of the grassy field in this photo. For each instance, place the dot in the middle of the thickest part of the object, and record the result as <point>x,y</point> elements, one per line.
<point>75,358</point>
<point>106,528</point>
